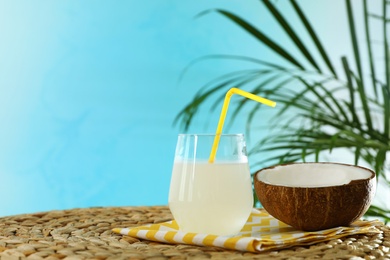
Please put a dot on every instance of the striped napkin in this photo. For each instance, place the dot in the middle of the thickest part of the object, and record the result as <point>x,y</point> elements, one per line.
<point>262,232</point>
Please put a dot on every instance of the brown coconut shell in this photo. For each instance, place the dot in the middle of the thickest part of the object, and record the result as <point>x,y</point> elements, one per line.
<point>317,208</point>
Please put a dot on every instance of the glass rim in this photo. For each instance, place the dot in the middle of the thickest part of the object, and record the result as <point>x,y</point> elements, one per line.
<point>208,134</point>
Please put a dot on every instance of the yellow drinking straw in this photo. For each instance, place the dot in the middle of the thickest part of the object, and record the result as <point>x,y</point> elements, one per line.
<point>225,106</point>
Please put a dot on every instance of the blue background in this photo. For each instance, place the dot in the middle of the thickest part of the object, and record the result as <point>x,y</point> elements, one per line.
<point>89,91</point>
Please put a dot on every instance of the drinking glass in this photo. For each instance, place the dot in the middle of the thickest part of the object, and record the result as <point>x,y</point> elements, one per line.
<point>211,197</point>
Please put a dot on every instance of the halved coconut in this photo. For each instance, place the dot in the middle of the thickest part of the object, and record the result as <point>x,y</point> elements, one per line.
<point>315,196</point>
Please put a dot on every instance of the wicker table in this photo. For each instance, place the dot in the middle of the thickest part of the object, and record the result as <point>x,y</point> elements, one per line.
<point>86,234</point>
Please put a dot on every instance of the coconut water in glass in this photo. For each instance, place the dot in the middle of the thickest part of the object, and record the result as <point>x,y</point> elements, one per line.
<point>211,197</point>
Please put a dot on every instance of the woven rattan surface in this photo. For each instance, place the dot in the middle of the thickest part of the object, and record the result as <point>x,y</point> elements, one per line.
<point>86,234</point>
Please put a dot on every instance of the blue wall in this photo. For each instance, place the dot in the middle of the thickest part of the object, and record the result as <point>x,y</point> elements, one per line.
<point>89,90</point>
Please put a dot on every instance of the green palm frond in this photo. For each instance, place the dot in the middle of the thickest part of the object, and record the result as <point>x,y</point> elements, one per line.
<point>292,34</point>
<point>314,37</point>
<point>262,37</point>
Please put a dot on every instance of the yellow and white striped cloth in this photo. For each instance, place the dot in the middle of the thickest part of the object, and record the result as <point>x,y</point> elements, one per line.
<point>261,232</point>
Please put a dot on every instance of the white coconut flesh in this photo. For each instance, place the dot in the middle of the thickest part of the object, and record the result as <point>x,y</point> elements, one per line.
<point>312,175</point>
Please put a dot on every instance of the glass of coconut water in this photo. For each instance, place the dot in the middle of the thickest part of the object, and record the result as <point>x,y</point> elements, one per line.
<point>211,196</point>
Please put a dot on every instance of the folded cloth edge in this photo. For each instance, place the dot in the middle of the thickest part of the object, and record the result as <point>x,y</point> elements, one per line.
<point>240,243</point>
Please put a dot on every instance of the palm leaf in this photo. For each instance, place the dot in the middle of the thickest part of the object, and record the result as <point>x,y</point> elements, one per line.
<point>354,40</point>
<point>229,57</point>
<point>364,101</point>
<point>351,104</point>
<point>291,33</point>
<point>386,110</point>
<point>360,82</point>
<point>369,48</point>
<point>259,36</point>
<point>321,98</point>
<point>386,102</point>
<point>314,37</point>
<point>375,211</point>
